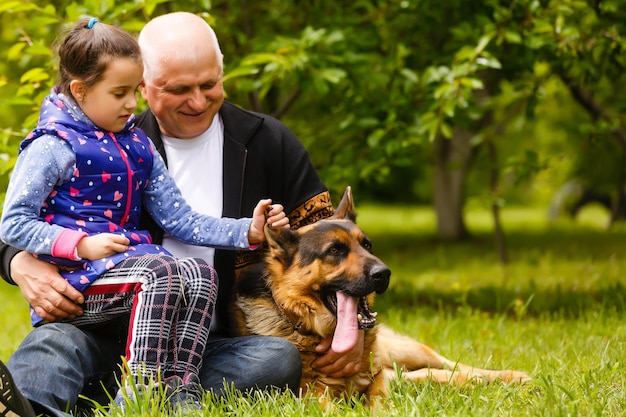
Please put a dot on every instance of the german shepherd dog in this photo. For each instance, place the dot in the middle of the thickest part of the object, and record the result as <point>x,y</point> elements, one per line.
<point>319,281</point>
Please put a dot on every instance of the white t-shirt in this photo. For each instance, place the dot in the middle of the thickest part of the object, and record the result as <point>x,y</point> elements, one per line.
<point>196,166</point>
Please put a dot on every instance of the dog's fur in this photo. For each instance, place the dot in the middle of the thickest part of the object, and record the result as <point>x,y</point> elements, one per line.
<point>296,299</point>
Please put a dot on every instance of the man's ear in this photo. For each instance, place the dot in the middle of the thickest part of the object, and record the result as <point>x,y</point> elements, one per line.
<point>142,89</point>
<point>78,90</point>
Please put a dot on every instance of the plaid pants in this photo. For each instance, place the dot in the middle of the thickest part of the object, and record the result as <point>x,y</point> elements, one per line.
<point>170,302</point>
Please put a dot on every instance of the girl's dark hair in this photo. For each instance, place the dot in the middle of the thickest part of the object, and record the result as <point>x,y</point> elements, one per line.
<point>86,51</point>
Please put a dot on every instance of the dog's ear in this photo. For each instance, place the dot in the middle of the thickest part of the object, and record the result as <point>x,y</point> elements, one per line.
<point>282,244</point>
<point>345,209</point>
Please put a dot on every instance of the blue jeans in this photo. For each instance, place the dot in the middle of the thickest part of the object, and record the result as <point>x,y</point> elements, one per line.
<point>57,362</point>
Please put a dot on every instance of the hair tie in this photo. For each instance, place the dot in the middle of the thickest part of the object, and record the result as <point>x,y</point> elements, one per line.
<point>92,22</point>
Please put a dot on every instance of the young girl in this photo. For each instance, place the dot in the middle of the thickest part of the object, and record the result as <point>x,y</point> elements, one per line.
<point>75,199</point>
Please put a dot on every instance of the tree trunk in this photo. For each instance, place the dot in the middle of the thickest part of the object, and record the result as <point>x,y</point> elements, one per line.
<point>452,161</point>
<point>494,182</point>
<point>618,208</point>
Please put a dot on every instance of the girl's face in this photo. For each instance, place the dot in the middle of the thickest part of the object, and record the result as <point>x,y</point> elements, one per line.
<point>112,100</point>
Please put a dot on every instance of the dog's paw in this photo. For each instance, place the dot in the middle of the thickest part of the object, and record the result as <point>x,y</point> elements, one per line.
<point>513,377</point>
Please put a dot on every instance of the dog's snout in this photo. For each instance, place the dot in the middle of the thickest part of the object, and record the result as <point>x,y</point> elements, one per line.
<point>380,275</point>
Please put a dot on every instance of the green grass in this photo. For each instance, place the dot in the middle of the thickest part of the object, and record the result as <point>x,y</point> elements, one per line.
<point>555,311</point>
<point>14,319</point>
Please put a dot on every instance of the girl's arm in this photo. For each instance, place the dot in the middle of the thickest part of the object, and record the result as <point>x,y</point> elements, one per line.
<point>168,208</point>
<point>46,162</point>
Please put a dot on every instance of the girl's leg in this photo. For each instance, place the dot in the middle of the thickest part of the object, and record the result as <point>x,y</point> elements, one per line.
<point>150,287</point>
<point>149,347</point>
<point>192,332</point>
<point>194,317</point>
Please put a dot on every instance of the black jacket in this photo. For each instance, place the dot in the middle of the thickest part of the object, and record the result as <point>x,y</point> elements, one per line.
<point>262,159</point>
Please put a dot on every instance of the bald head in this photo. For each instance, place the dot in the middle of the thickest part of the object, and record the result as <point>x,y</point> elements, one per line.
<point>178,36</point>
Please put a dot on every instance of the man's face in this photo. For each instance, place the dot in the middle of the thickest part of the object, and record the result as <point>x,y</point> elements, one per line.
<point>185,95</point>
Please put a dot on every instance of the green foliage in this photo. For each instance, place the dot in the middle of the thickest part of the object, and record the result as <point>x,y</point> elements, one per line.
<point>401,80</point>
<point>368,85</point>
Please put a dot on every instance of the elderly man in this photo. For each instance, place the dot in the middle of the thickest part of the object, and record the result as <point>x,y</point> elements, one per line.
<point>224,159</point>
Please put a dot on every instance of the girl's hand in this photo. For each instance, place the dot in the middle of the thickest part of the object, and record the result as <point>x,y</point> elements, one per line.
<point>275,217</point>
<point>101,245</point>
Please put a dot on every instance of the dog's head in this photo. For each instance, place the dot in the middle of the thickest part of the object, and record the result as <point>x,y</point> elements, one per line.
<point>323,276</point>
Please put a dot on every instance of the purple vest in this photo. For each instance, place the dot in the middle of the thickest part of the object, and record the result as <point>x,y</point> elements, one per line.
<point>105,191</point>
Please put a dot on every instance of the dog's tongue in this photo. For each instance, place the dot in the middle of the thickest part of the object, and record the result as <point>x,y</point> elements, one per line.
<point>347,330</point>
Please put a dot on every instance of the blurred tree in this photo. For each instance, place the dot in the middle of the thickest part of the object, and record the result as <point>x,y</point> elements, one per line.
<point>457,75</point>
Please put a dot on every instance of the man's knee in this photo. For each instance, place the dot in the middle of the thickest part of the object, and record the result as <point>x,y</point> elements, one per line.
<point>53,339</point>
<point>49,365</point>
<point>287,364</point>
<point>63,346</point>
<point>251,363</point>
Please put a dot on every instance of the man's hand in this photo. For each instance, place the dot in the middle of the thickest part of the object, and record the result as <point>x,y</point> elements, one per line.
<point>101,245</point>
<point>52,297</point>
<point>339,365</point>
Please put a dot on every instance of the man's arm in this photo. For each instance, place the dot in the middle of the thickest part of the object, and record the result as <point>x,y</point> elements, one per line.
<point>7,253</point>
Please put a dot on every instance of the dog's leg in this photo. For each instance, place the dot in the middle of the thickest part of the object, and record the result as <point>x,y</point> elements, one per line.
<point>420,362</point>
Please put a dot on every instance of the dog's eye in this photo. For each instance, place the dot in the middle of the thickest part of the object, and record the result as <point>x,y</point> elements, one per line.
<point>367,245</point>
<point>336,250</point>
